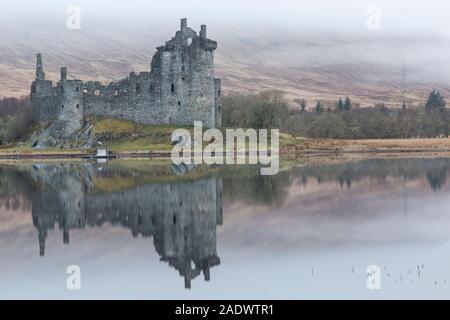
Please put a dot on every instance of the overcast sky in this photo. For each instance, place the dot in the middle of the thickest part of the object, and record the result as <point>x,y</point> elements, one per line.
<point>397,16</point>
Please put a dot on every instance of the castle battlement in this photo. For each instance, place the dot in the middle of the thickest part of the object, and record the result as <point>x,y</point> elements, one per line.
<point>179,88</point>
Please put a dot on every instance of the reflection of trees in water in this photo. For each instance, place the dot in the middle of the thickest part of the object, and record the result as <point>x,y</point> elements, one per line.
<point>435,170</point>
<point>271,190</point>
<point>16,188</point>
<point>257,189</point>
<point>437,177</point>
<point>15,203</point>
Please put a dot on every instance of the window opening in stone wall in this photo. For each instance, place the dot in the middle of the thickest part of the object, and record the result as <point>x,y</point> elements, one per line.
<point>172,87</point>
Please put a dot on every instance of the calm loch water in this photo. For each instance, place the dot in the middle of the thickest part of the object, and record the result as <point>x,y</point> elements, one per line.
<point>144,229</point>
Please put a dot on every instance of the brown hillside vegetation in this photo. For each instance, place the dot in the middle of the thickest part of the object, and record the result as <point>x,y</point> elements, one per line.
<point>310,66</point>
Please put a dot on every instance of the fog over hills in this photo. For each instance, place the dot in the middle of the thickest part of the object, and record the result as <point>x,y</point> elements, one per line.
<point>301,60</point>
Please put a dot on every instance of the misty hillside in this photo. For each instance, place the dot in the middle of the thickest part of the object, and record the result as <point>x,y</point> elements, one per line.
<point>370,68</point>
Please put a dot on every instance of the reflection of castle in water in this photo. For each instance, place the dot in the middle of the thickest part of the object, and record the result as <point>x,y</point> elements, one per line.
<point>181,217</point>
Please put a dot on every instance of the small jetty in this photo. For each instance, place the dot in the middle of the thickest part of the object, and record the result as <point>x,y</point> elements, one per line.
<point>104,154</point>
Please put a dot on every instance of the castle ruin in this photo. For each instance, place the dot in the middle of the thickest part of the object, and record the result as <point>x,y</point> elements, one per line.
<point>180,88</point>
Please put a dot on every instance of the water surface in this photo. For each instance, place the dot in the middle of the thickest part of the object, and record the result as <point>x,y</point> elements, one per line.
<point>140,229</point>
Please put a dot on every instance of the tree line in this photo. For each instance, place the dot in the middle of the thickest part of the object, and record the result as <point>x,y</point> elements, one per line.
<point>345,120</point>
<point>269,109</point>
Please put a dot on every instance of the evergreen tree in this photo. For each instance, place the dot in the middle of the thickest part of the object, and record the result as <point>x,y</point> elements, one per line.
<point>340,105</point>
<point>435,101</point>
<point>347,104</point>
<point>303,105</point>
<point>319,108</point>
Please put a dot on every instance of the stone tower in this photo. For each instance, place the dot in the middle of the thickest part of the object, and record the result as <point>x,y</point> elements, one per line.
<point>43,98</point>
<point>40,74</point>
<point>61,108</point>
<point>71,104</point>
<point>183,69</point>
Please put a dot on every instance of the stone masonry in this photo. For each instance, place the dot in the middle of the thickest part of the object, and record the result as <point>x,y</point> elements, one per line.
<point>179,89</point>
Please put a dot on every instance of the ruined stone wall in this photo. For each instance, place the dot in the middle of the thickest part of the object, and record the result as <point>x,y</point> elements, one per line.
<point>135,98</point>
<point>44,99</point>
<point>61,107</point>
<point>180,88</point>
<point>71,102</point>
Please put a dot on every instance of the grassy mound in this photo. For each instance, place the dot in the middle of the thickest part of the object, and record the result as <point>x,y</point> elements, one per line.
<point>127,136</point>
<point>122,136</point>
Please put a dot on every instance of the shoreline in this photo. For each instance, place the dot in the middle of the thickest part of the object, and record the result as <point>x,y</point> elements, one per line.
<point>283,155</point>
<point>289,150</point>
